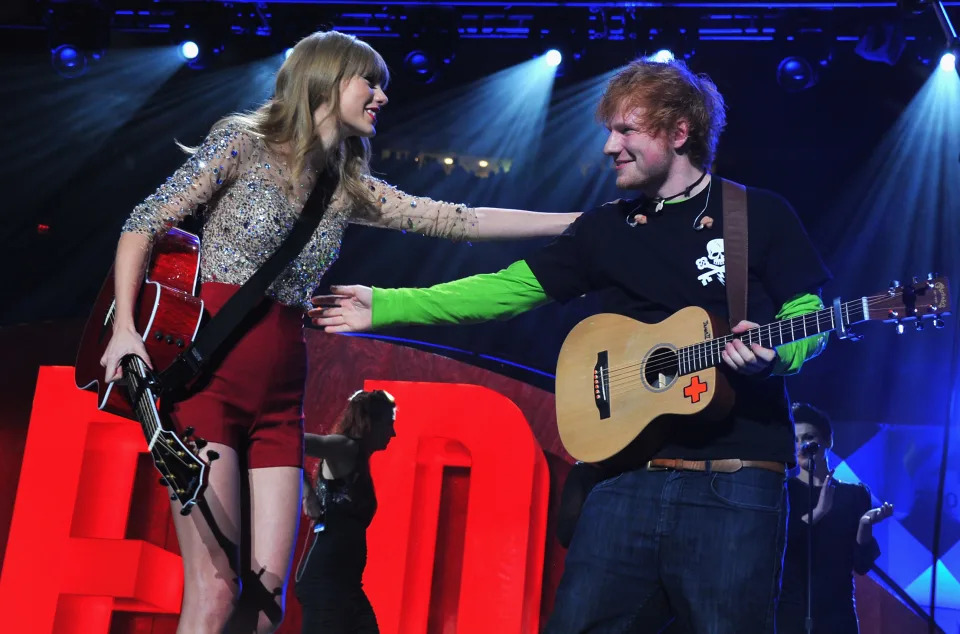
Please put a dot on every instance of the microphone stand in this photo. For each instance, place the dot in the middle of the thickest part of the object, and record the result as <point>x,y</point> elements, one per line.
<point>808,623</point>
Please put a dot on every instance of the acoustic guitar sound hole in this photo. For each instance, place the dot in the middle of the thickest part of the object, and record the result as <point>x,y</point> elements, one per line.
<point>660,369</point>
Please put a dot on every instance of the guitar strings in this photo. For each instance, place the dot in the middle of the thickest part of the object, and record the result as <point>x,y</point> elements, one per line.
<point>716,345</point>
<point>146,410</point>
<point>630,379</point>
<point>713,347</point>
<point>150,420</point>
<point>691,354</point>
<point>698,354</point>
<point>821,317</point>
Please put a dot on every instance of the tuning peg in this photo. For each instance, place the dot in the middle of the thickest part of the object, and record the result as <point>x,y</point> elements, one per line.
<point>186,510</point>
<point>938,323</point>
<point>212,455</point>
<point>894,283</point>
<point>173,496</point>
<point>163,482</point>
<point>187,432</point>
<point>200,443</point>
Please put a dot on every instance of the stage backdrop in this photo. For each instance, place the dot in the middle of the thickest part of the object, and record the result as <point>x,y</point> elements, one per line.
<point>464,539</point>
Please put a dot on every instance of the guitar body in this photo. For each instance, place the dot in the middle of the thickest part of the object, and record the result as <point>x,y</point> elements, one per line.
<point>617,376</point>
<point>167,316</point>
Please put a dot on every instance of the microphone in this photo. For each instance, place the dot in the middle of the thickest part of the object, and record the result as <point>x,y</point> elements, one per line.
<point>809,448</point>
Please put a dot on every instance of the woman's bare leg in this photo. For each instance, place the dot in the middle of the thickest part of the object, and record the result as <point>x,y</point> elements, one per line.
<point>209,544</point>
<point>274,518</point>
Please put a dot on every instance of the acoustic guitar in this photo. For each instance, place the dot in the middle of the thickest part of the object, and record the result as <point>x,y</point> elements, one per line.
<point>616,376</point>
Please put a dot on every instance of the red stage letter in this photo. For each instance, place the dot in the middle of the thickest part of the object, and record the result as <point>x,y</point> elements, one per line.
<point>67,566</point>
<point>500,554</point>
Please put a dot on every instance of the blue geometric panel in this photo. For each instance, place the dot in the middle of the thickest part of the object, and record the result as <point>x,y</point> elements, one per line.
<point>948,588</point>
<point>899,463</point>
<point>952,558</point>
<point>902,556</point>
<point>869,464</point>
<point>842,471</point>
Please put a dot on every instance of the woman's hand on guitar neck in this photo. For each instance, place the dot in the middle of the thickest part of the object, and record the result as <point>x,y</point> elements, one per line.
<point>752,359</point>
<point>123,342</point>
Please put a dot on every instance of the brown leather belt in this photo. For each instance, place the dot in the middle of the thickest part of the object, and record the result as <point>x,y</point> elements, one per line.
<point>727,465</point>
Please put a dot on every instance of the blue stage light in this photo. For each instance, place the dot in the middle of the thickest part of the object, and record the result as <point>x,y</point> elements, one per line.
<point>418,62</point>
<point>422,66</point>
<point>795,74</point>
<point>553,57</point>
<point>68,61</point>
<point>189,50</point>
<point>663,56</point>
<point>948,62</point>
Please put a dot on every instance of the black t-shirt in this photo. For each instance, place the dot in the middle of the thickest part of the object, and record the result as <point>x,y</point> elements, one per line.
<point>650,271</point>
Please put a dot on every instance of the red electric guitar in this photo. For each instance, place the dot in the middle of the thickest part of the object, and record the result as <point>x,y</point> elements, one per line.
<point>167,316</point>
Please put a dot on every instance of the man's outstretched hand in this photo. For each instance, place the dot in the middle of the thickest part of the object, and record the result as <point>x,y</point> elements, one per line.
<point>348,309</point>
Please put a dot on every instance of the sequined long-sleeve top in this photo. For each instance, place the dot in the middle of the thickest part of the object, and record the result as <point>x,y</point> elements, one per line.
<point>252,204</point>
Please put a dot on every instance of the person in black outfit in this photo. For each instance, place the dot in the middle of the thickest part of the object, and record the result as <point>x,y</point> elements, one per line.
<point>341,503</point>
<point>843,540</point>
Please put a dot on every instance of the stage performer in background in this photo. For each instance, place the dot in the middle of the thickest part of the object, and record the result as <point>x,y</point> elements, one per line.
<point>341,502</point>
<point>843,542</point>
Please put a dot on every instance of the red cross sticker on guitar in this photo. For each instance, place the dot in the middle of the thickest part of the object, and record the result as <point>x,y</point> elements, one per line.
<point>694,389</point>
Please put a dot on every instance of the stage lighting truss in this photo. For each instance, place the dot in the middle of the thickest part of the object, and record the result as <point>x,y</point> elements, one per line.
<point>437,31</point>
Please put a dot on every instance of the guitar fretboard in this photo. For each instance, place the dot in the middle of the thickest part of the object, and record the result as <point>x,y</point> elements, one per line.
<point>701,356</point>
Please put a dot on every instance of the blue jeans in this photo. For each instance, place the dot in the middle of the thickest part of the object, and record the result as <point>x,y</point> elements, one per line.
<point>701,550</point>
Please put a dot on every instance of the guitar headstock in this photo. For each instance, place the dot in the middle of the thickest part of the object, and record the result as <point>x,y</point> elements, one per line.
<point>182,469</point>
<point>915,301</point>
<point>175,457</point>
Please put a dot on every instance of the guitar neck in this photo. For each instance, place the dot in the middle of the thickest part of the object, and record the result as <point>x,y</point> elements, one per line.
<point>142,397</point>
<point>706,354</point>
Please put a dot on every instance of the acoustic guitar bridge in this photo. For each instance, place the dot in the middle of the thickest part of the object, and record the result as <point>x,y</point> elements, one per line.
<point>601,384</point>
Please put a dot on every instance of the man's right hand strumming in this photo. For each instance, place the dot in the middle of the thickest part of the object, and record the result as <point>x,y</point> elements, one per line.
<point>348,309</point>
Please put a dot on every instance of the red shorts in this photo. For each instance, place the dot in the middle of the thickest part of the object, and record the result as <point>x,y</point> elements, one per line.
<point>252,401</point>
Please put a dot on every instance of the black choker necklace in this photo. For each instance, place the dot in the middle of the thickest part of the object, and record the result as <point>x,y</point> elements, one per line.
<point>659,202</point>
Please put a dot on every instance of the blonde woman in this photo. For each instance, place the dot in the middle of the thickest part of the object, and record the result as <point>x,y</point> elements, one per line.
<point>254,172</point>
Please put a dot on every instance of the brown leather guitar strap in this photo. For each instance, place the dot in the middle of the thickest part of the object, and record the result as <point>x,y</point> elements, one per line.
<point>735,248</point>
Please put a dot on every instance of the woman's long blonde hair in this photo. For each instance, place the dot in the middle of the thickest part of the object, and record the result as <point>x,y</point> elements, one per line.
<point>309,78</point>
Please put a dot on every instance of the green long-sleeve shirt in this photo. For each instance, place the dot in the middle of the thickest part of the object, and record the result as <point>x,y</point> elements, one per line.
<point>515,290</point>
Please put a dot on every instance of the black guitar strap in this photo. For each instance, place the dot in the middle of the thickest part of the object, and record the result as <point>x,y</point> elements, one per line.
<point>192,361</point>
